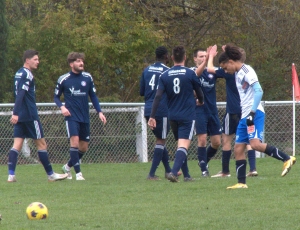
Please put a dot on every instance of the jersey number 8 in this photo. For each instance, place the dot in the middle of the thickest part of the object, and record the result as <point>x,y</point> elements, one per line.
<point>176,86</point>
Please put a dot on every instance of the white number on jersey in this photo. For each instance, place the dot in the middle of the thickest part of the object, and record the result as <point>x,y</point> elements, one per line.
<point>152,82</point>
<point>176,86</point>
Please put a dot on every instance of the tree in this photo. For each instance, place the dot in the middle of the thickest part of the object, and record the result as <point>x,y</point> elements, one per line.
<point>3,48</point>
<point>119,38</point>
<point>114,37</point>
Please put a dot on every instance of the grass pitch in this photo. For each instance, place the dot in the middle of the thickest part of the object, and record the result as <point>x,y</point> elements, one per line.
<point>118,196</point>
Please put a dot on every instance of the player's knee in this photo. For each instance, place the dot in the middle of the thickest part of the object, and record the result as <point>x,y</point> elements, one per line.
<point>216,144</point>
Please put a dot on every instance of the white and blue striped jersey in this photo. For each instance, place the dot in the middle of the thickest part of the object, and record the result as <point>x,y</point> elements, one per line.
<point>27,110</point>
<point>245,77</point>
<point>148,86</point>
<point>76,88</point>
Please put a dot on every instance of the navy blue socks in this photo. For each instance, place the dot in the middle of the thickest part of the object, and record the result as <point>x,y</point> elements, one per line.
<point>241,171</point>
<point>180,158</point>
<point>157,157</point>
<point>75,159</point>
<point>43,156</point>
<point>202,158</point>
<point>12,161</point>
<point>225,161</point>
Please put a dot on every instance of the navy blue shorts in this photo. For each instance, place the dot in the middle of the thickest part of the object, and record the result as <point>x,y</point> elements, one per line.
<point>162,127</point>
<point>80,129</point>
<point>29,129</point>
<point>208,124</point>
<point>183,129</point>
<point>230,123</point>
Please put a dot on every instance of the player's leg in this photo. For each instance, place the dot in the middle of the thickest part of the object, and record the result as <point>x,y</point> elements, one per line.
<point>252,162</point>
<point>212,149</point>
<point>160,132</point>
<point>84,138</point>
<point>165,157</point>
<point>239,154</point>
<point>255,136</point>
<point>201,132</point>
<point>202,153</point>
<point>66,168</point>
<point>229,126</point>
<point>35,131</point>
<point>73,130</point>
<point>214,131</point>
<point>14,151</point>
<point>74,156</point>
<point>183,132</point>
<point>226,154</point>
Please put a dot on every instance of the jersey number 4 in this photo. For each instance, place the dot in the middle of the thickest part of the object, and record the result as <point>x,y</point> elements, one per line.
<point>152,82</point>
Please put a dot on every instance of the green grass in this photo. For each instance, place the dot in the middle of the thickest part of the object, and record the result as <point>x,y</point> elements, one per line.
<point>117,196</point>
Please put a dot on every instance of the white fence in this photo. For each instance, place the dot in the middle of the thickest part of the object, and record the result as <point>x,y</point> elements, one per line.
<point>126,137</point>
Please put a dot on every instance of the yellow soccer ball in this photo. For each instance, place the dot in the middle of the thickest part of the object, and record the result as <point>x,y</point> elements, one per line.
<point>37,211</point>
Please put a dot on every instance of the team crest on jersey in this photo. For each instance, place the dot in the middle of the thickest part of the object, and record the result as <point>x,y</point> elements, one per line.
<point>83,83</point>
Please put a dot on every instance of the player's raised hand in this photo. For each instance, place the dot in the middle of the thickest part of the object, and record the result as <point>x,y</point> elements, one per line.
<point>65,111</point>
<point>152,123</point>
<point>102,118</point>
<point>213,51</point>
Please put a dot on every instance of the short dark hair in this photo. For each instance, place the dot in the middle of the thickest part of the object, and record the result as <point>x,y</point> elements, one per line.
<point>178,54</point>
<point>73,56</point>
<point>160,52</point>
<point>29,54</point>
<point>197,50</point>
<point>231,52</point>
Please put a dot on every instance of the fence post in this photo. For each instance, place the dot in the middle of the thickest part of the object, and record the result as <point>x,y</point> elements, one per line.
<point>141,136</point>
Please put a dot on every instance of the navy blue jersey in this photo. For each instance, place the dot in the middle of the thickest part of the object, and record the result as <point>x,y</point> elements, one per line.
<point>179,84</point>
<point>208,85</point>
<point>26,110</point>
<point>148,86</point>
<point>77,88</point>
<point>233,102</point>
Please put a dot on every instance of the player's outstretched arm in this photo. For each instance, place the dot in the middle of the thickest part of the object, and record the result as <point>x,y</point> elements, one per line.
<point>210,63</point>
<point>203,65</point>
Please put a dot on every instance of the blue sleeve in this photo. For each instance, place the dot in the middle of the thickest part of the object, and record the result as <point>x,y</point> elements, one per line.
<point>198,90</point>
<point>57,101</point>
<point>18,102</point>
<point>93,96</point>
<point>57,94</point>
<point>258,93</point>
<point>95,102</point>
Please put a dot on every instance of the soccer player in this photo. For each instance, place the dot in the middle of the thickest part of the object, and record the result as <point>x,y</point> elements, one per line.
<point>207,119</point>
<point>148,86</point>
<point>26,120</point>
<point>77,86</point>
<point>251,126</point>
<point>179,83</point>
<point>231,118</point>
